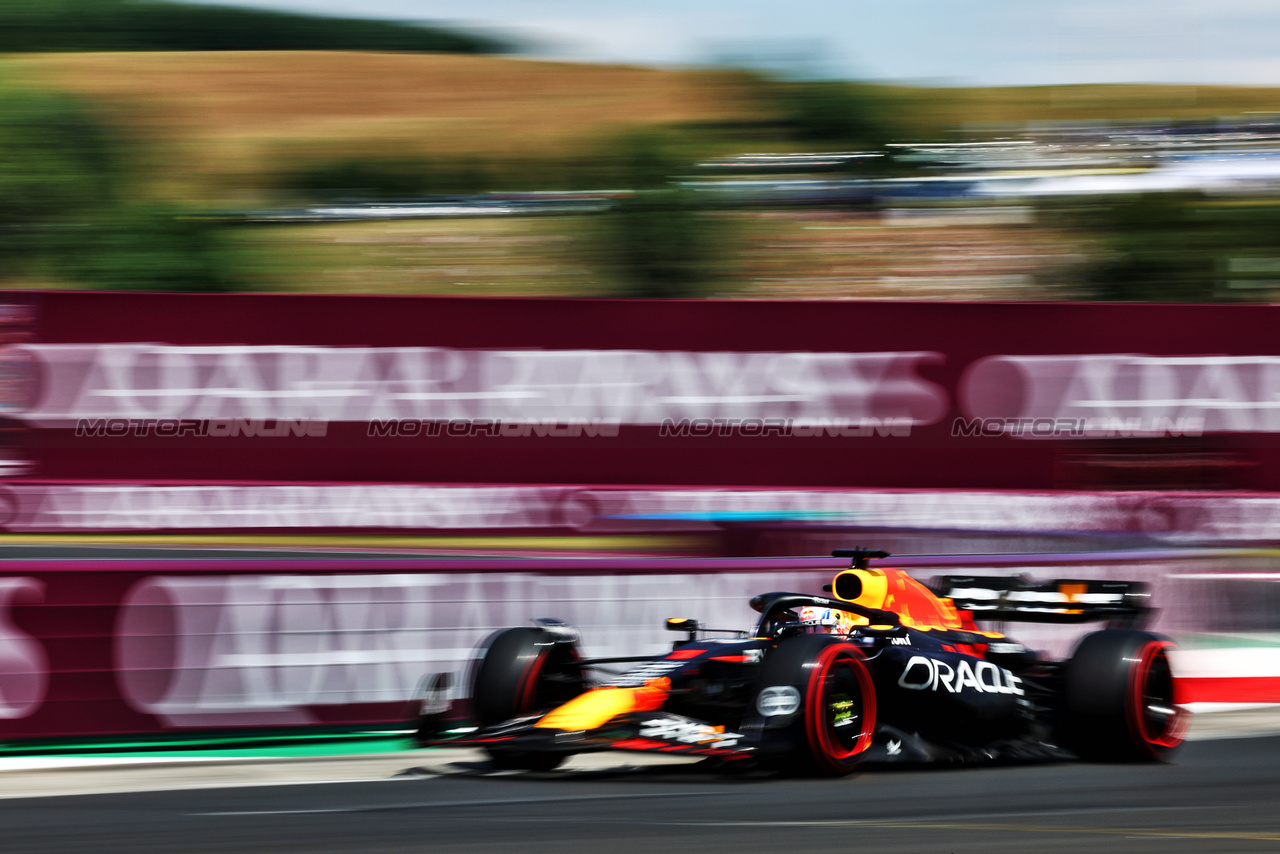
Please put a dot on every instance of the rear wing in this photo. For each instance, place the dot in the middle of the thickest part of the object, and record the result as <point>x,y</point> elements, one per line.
<point>1019,599</point>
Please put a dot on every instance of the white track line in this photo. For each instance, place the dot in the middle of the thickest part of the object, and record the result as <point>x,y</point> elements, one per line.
<point>476,803</point>
<point>269,784</point>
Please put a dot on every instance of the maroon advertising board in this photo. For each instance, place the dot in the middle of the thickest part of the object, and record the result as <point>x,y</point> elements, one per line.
<point>145,387</point>
<point>95,647</point>
<point>152,646</point>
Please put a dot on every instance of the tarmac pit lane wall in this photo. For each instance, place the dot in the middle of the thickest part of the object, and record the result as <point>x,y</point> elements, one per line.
<point>114,647</point>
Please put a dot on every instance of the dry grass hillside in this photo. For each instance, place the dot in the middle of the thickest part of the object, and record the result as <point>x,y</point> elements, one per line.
<point>241,112</point>
<point>238,112</point>
<point>217,123</point>
<point>931,109</point>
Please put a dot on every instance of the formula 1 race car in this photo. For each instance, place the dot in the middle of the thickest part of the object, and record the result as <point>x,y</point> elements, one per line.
<point>882,670</point>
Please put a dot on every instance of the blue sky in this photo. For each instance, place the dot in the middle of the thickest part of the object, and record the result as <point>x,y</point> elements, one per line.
<point>982,42</point>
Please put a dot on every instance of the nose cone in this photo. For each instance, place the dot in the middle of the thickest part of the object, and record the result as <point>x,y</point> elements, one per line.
<point>596,708</point>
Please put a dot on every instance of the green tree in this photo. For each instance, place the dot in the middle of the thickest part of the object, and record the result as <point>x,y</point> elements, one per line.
<point>834,113</point>
<point>58,167</point>
<point>658,240</point>
<point>661,245</point>
<point>389,178</point>
<point>64,213</point>
<point>29,26</point>
<point>149,247</point>
<point>1171,247</point>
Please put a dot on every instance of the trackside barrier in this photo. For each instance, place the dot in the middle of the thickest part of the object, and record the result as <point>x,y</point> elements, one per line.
<point>1135,519</point>
<point>114,647</point>
<point>266,387</point>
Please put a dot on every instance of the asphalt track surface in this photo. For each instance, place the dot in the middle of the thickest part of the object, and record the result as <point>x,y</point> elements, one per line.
<point>1221,795</point>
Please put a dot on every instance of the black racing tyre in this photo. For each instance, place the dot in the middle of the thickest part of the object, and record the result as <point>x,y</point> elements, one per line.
<point>525,760</point>
<point>1122,698</point>
<point>522,671</point>
<point>836,714</point>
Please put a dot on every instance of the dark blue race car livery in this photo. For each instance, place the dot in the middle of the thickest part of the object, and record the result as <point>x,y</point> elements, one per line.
<point>881,670</point>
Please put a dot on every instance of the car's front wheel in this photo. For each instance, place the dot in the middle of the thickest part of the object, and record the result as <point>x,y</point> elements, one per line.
<point>522,671</point>
<point>525,760</point>
<point>817,700</point>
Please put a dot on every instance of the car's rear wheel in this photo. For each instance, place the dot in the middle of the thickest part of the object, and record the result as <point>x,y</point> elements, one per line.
<point>828,682</point>
<point>1122,698</point>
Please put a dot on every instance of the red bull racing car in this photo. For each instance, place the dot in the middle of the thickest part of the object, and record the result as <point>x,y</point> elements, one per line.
<point>881,670</point>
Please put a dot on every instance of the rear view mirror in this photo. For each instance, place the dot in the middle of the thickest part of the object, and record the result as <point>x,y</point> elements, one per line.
<point>682,624</point>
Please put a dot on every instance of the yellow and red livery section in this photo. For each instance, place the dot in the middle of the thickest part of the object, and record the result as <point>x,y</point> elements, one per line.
<point>598,706</point>
<point>917,607</point>
<point>893,590</point>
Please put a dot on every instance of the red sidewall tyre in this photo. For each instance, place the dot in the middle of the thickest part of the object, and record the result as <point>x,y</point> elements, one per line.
<point>521,671</point>
<point>1151,681</point>
<point>526,694</point>
<point>837,670</point>
<point>831,706</point>
<point>1122,700</point>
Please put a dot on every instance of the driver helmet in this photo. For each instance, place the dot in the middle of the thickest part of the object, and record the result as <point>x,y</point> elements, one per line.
<point>818,620</point>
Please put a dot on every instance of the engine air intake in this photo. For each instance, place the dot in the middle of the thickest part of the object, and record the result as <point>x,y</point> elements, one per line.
<point>847,586</point>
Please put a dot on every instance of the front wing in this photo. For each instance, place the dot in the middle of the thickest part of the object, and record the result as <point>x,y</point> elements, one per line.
<point>656,731</point>
<point>664,732</point>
